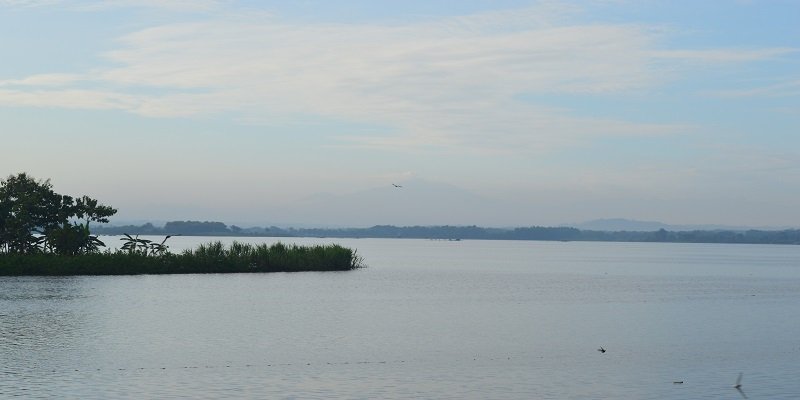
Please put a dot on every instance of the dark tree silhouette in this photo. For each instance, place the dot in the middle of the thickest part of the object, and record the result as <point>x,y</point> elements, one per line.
<point>34,218</point>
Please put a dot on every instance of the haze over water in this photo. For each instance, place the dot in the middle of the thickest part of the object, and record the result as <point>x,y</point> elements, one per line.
<point>430,319</point>
<point>488,112</point>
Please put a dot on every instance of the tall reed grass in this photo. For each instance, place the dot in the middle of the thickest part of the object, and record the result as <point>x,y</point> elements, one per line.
<point>213,257</point>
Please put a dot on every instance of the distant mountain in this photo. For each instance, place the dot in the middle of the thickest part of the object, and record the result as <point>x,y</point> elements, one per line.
<point>630,225</point>
<point>620,224</point>
<point>416,202</point>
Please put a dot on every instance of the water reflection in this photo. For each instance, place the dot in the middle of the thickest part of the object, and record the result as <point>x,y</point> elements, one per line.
<point>425,320</point>
<point>41,319</point>
<point>40,288</point>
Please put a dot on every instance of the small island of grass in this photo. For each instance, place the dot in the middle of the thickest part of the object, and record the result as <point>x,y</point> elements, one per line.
<point>208,258</point>
<point>45,233</point>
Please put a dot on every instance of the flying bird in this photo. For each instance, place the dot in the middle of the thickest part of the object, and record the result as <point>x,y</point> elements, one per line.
<point>396,185</point>
<point>601,349</point>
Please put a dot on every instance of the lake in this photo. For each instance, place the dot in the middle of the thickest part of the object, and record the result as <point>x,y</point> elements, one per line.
<point>425,319</point>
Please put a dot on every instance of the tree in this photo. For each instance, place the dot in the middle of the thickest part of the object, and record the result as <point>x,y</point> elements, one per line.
<point>26,204</point>
<point>34,218</point>
<point>90,210</point>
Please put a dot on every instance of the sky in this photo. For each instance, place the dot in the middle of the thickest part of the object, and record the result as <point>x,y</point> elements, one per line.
<point>495,113</point>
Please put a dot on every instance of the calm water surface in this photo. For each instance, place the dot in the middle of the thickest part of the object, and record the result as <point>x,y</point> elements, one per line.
<point>426,319</point>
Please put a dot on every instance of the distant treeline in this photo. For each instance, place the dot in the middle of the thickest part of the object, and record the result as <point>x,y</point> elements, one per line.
<point>207,228</point>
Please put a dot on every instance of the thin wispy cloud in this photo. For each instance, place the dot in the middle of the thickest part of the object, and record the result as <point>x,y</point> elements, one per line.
<point>28,3</point>
<point>781,89</point>
<point>450,82</point>
<point>89,5</point>
<point>43,80</point>
<point>724,55</point>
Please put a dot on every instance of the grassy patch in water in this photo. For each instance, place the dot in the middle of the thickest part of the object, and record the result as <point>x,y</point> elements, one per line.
<point>207,258</point>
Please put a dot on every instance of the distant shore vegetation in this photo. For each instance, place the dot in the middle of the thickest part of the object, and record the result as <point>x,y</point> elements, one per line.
<point>46,233</point>
<point>208,228</point>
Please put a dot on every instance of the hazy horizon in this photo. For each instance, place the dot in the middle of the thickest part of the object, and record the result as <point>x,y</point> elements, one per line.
<point>489,113</point>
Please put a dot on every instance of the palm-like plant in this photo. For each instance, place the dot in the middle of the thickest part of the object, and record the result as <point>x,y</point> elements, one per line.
<point>159,249</point>
<point>145,247</point>
<point>135,245</point>
<point>70,239</point>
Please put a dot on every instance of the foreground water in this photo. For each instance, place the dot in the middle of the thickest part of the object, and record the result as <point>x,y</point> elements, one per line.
<point>426,319</point>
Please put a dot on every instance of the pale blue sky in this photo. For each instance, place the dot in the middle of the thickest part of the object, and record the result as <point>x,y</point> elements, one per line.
<point>548,112</point>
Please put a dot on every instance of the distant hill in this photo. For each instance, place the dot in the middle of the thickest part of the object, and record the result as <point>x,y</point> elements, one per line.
<point>620,224</point>
<point>631,225</point>
<point>417,202</point>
